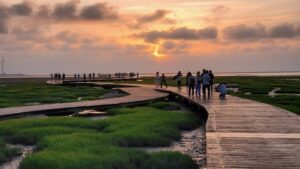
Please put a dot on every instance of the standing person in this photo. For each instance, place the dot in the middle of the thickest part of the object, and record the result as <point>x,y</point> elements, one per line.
<point>191,84</point>
<point>84,76</point>
<point>78,76</point>
<point>157,80</point>
<point>93,76</point>
<point>206,83</point>
<point>211,75</point>
<point>63,76</point>
<point>163,80</point>
<point>198,84</point>
<point>178,78</point>
<point>90,76</point>
<point>187,80</point>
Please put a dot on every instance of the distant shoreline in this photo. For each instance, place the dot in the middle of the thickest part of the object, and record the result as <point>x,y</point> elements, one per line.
<point>222,74</point>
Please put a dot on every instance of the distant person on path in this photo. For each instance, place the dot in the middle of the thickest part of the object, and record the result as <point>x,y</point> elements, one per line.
<point>90,76</point>
<point>198,84</point>
<point>178,79</point>
<point>78,76</point>
<point>187,80</point>
<point>157,80</point>
<point>223,90</point>
<point>191,84</point>
<point>206,83</point>
<point>63,77</point>
<point>59,76</point>
<point>211,75</point>
<point>163,80</point>
<point>93,76</point>
<point>84,76</point>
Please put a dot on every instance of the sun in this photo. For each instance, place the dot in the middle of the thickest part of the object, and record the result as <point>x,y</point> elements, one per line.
<point>156,51</point>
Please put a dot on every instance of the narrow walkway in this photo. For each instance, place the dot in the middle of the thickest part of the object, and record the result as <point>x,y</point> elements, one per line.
<point>135,95</point>
<point>243,133</point>
<point>240,133</point>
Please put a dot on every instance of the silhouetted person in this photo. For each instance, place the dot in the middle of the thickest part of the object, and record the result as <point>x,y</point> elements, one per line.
<point>206,83</point>
<point>178,79</point>
<point>157,79</point>
<point>163,81</point>
<point>93,76</point>
<point>198,84</point>
<point>187,77</point>
<point>84,77</point>
<point>63,77</point>
<point>191,84</point>
<point>211,75</point>
<point>78,76</point>
<point>59,76</point>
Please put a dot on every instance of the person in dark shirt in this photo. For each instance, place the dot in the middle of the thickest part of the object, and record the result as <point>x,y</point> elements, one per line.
<point>191,84</point>
<point>211,75</point>
<point>163,80</point>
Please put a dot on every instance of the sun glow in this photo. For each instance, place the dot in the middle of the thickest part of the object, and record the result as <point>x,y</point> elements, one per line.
<point>156,51</point>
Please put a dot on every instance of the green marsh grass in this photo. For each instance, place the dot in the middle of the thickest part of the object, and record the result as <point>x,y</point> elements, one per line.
<point>6,153</point>
<point>76,143</point>
<point>20,94</point>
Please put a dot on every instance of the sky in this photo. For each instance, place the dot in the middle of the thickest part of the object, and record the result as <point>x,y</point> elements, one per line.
<point>43,36</point>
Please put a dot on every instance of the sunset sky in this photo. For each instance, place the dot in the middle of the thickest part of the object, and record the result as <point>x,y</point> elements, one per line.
<point>41,36</point>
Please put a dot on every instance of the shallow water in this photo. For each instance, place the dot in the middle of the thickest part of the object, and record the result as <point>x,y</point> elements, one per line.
<point>192,143</point>
<point>15,163</point>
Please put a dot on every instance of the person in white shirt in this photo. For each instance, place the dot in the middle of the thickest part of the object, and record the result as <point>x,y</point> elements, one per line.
<point>206,83</point>
<point>222,90</point>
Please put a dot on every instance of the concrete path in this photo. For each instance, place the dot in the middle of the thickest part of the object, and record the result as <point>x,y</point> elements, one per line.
<point>135,95</point>
<point>243,133</point>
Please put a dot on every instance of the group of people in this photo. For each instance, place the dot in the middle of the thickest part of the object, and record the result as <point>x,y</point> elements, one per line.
<point>58,76</point>
<point>92,76</point>
<point>202,80</point>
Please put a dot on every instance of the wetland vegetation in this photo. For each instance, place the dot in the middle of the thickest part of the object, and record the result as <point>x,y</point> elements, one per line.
<point>111,143</point>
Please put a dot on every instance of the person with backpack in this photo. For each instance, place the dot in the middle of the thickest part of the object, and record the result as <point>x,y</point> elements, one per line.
<point>191,84</point>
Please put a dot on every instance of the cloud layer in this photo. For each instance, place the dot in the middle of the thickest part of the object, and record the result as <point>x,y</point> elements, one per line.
<point>242,32</point>
<point>180,34</point>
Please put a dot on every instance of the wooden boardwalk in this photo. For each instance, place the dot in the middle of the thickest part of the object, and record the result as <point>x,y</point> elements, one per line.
<point>242,133</point>
<point>135,95</point>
